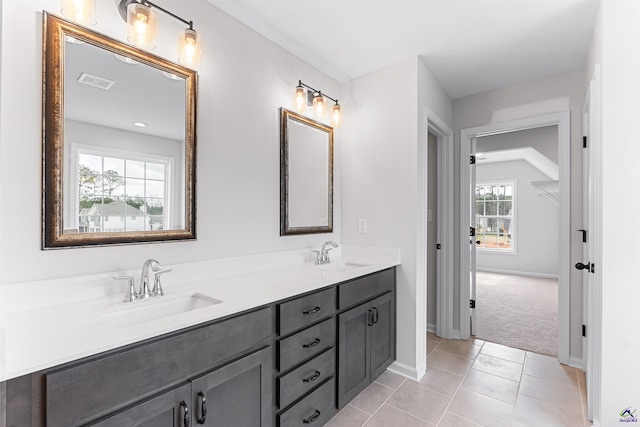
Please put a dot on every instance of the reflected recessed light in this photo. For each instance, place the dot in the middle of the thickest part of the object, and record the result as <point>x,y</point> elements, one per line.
<point>139,124</point>
<point>171,76</point>
<point>125,59</point>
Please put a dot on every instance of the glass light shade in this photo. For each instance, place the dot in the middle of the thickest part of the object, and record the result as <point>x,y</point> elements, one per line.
<point>190,47</point>
<point>318,105</point>
<point>81,11</point>
<point>300,99</point>
<point>336,115</point>
<point>141,23</point>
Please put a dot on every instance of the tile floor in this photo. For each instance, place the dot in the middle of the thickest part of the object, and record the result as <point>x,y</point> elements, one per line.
<point>473,383</point>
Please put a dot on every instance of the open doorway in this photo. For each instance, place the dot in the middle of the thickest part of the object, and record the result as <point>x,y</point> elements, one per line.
<point>468,254</point>
<point>516,221</point>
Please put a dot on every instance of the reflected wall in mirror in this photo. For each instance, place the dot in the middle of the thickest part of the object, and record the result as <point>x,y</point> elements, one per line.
<point>306,175</point>
<point>119,142</point>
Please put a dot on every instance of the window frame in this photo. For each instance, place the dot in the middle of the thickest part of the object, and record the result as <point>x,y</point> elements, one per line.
<point>513,219</point>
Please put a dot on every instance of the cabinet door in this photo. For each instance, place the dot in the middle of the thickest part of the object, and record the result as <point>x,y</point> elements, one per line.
<point>353,352</point>
<point>236,395</point>
<point>382,334</point>
<point>170,409</point>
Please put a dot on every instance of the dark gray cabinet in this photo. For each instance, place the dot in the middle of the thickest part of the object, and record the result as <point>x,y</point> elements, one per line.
<point>366,345</point>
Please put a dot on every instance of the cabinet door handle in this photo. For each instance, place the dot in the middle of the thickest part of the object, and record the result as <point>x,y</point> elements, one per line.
<point>312,310</point>
<point>185,411</point>
<point>203,408</point>
<point>312,343</point>
<point>369,317</point>
<point>375,315</point>
<point>313,377</point>
<point>312,418</point>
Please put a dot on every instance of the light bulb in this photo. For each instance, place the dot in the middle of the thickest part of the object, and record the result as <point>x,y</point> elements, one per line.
<point>190,46</point>
<point>336,115</point>
<point>81,11</point>
<point>141,22</point>
<point>300,99</point>
<point>318,105</point>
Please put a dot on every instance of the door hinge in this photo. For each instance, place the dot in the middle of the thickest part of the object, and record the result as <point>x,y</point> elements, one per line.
<point>472,303</point>
<point>472,231</point>
<point>584,330</point>
<point>438,246</point>
<point>584,235</point>
<point>584,142</point>
<point>472,159</point>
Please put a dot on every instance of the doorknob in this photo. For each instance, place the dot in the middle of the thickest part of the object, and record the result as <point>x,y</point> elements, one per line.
<point>588,266</point>
<point>478,242</point>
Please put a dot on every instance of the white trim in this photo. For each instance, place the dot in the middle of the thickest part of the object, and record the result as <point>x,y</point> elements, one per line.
<point>562,120</point>
<point>431,327</point>
<point>517,273</point>
<point>576,362</point>
<point>528,154</point>
<point>444,292</point>
<point>407,371</point>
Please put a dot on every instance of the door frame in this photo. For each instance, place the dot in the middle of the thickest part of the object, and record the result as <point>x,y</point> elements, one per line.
<point>563,121</point>
<point>444,227</point>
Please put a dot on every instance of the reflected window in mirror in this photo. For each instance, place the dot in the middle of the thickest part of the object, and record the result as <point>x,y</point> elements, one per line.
<point>306,175</point>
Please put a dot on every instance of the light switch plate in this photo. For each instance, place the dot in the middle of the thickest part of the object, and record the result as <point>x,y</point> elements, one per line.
<point>362,225</point>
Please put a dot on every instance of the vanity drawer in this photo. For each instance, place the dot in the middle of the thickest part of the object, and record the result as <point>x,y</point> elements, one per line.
<point>364,288</point>
<point>303,379</point>
<point>306,343</point>
<point>129,375</point>
<point>317,408</point>
<point>298,313</point>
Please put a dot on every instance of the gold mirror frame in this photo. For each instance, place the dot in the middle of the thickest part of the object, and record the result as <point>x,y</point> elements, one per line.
<point>54,31</point>
<point>285,184</point>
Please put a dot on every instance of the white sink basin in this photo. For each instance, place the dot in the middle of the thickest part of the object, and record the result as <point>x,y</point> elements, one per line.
<point>341,266</point>
<point>156,308</point>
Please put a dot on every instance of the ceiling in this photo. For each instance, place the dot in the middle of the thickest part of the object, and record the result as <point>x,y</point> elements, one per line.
<point>470,46</point>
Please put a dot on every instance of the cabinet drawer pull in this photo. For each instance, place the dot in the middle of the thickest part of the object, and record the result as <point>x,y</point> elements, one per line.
<point>313,377</point>
<point>312,418</point>
<point>312,343</point>
<point>311,310</point>
<point>375,315</point>
<point>369,317</point>
<point>185,417</point>
<point>203,408</point>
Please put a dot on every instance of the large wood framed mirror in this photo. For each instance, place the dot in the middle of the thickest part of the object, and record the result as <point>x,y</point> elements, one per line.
<point>119,142</point>
<point>306,175</point>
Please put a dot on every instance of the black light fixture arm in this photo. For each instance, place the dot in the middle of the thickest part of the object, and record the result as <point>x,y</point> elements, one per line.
<point>124,3</point>
<point>316,91</point>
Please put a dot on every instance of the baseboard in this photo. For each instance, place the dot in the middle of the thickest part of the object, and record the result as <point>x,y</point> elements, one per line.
<point>431,328</point>
<point>414,374</point>
<point>576,362</point>
<point>517,273</point>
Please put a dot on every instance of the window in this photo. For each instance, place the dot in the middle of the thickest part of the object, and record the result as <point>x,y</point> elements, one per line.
<point>495,216</point>
<point>126,186</point>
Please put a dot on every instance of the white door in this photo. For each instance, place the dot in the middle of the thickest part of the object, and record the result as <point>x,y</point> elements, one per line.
<point>472,237</point>
<point>589,238</point>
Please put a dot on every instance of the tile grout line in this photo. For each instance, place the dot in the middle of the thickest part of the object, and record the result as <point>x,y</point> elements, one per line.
<point>385,401</point>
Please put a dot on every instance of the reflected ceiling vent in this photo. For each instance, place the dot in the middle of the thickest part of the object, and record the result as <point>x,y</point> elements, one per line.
<point>95,81</point>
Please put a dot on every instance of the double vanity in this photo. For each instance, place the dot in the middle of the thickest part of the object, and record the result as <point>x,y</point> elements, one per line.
<point>284,345</point>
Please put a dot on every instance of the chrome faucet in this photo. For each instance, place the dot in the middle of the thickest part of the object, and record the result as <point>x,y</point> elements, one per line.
<point>150,268</point>
<point>322,256</point>
<point>145,290</point>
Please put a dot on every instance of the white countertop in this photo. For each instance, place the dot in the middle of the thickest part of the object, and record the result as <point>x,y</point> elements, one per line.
<point>47,324</point>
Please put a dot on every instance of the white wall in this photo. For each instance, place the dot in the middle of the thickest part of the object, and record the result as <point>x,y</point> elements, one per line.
<point>382,140</point>
<point>536,223</point>
<point>243,80</point>
<point>562,92</point>
<point>620,207</point>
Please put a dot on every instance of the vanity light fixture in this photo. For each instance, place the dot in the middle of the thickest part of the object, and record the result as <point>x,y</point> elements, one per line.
<point>81,11</point>
<point>306,96</point>
<point>141,24</point>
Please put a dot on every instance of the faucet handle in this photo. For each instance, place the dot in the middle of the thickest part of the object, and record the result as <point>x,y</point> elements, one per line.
<point>318,256</point>
<point>157,286</point>
<point>131,295</point>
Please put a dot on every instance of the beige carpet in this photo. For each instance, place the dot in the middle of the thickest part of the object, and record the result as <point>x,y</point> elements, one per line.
<point>518,311</point>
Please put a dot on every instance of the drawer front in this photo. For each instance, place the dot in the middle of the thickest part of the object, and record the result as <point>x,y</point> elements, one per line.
<point>128,376</point>
<point>303,379</point>
<point>298,313</point>
<point>315,409</point>
<point>306,343</point>
<point>364,288</point>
